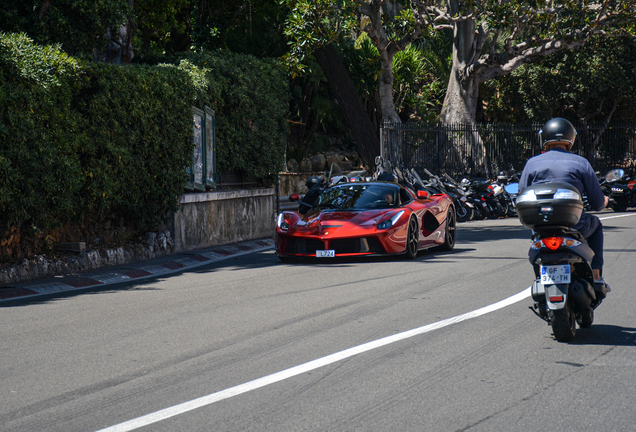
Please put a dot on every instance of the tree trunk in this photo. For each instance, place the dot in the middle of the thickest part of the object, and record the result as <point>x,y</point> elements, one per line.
<point>361,127</point>
<point>462,94</point>
<point>385,87</point>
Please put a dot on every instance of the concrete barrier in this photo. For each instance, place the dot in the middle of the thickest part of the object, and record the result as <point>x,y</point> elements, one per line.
<point>221,217</point>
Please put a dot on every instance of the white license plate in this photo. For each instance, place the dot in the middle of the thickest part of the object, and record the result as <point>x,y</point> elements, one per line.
<point>325,253</point>
<point>555,274</point>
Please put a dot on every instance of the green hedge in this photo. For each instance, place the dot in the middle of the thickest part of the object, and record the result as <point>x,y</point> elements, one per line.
<point>138,139</point>
<point>40,149</point>
<point>88,142</point>
<point>83,141</point>
<point>250,97</point>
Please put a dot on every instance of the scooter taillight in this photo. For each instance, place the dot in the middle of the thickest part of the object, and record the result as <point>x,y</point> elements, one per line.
<point>567,242</point>
<point>553,243</point>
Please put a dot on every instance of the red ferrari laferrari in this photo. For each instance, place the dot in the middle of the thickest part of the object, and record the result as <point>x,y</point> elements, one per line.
<point>367,218</point>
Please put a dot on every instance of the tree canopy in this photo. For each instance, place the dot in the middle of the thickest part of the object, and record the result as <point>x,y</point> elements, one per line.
<point>586,85</point>
<point>78,26</point>
<point>529,30</point>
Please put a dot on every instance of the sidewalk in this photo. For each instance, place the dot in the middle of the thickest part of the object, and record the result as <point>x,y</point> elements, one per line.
<point>135,271</point>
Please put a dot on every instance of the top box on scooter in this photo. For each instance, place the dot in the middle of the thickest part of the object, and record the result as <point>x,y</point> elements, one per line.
<point>549,204</point>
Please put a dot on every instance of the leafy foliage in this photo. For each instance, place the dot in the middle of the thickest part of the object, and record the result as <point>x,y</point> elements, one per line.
<point>138,129</point>
<point>249,96</point>
<point>39,164</point>
<point>314,23</point>
<point>79,26</point>
<point>163,28</point>
<point>243,26</point>
<point>582,85</point>
<point>84,141</point>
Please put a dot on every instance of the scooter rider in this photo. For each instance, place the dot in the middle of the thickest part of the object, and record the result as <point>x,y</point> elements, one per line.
<point>557,164</point>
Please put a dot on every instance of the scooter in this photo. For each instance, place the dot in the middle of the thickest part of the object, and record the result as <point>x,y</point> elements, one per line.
<point>563,290</point>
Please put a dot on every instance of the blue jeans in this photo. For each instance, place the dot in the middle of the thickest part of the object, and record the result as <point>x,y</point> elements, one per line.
<point>591,228</point>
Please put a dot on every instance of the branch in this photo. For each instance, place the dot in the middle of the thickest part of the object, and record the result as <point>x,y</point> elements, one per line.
<point>592,114</point>
<point>445,16</point>
<point>489,66</point>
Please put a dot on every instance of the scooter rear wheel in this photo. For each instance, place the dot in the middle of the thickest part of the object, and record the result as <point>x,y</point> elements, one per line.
<point>563,324</point>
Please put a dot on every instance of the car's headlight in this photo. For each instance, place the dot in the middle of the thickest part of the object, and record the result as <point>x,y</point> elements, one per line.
<point>390,222</point>
<point>282,223</point>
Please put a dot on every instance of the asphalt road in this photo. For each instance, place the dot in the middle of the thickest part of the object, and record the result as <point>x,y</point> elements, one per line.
<point>249,344</point>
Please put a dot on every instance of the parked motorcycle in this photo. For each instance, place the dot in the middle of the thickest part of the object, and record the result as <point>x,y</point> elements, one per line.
<point>510,184</point>
<point>480,193</point>
<point>620,186</point>
<point>563,290</point>
<point>465,210</point>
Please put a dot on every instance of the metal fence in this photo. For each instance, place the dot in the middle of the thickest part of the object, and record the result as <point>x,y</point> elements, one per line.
<point>486,149</point>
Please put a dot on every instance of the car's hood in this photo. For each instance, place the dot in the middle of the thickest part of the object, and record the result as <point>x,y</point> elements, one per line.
<point>323,222</point>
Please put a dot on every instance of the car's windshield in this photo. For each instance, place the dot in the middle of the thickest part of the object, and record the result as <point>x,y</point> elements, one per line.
<point>359,197</point>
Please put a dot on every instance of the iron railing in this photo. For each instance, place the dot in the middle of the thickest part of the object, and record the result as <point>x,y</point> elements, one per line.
<point>486,149</point>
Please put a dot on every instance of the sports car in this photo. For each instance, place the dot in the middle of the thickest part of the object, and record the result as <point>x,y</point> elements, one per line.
<point>367,218</point>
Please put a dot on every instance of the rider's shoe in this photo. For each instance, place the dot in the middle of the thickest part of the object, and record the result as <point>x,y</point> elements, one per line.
<point>601,288</point>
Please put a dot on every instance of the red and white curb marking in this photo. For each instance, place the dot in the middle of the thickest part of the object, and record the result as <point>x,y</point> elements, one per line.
<point>171,264</point>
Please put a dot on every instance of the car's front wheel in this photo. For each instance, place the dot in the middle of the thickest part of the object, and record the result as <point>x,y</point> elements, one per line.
<point>412,242</point>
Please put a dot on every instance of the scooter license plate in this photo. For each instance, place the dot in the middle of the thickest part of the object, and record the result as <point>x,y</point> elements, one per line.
<point>555,274</point>
<point>325,253</point>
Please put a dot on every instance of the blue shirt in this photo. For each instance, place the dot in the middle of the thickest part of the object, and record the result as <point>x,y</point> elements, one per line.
<point>559,165</point>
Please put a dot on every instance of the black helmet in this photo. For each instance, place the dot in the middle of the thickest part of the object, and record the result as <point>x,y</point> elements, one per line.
<point>313,181</point>
<point>557,129</point>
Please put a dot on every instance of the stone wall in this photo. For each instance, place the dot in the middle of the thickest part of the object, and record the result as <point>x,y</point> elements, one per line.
<point>216,218</point>
<point>205,220</point>
<point>291,183</point>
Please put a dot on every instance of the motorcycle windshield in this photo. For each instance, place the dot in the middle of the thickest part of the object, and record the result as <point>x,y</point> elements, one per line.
<point>614,175</point>
<point>512,188</point>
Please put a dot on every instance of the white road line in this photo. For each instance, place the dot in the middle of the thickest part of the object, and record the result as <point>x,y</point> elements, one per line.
<point>617,216</point>
<point>176,410</point>
<point>306,367</point>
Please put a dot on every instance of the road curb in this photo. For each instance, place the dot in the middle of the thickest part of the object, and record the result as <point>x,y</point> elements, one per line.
<point>135,271</point>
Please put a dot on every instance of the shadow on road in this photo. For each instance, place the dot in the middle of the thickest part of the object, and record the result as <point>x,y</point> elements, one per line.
<point>604,334</point>
<point>476,234</point>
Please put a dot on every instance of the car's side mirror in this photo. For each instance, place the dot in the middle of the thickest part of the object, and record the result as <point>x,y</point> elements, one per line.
<point>294,197</point>
<point>422,194</point>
